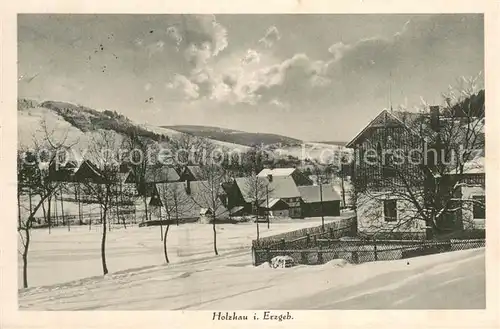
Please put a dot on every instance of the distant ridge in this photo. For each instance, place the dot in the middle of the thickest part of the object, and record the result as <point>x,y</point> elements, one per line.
<point>235,136</point>
<point>331,142</point>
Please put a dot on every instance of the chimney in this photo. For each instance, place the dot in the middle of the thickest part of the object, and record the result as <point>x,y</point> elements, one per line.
<point>434,113</point>
<point>188,187</point>
<point>270,177</point>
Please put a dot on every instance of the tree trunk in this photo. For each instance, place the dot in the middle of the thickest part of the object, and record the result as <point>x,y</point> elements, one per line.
<point>321,206</point>
<point>343,189</point>
<point>19,223</point>
<point>55,208</point>
<point>215,235</point>
<point>103,244</point>
<point>267,209</point>
<point>62,206</point>
<point>44,212</point>
<point>165,243</point>
<point>257,219</point>
<point>145,199</point>
<point>78,192</point>
<point>25,257</point>
<point>176,214</point>
<point>161,227</point>
<point>49,213</point>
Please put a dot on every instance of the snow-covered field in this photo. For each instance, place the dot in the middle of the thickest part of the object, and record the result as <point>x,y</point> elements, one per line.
<point>64,256</point>
<point>454,280</point>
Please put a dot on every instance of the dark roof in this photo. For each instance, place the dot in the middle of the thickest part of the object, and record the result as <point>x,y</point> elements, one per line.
<point>88,170</point>
<point>311,194</point>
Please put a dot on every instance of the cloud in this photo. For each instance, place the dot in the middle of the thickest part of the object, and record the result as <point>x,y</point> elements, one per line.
<point>198,56</point>
<point>174,34</point>
<point>199,32</point>
<point>251,57</point>
<point>184,86</point>
<point>291,79</point>
<point>154,48</point>
<point>271,37</point>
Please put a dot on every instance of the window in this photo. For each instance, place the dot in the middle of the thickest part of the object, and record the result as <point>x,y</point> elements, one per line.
<point>388,166</point>
<point>379,150</point>
<point>479,207</point>
<point>390,210</point>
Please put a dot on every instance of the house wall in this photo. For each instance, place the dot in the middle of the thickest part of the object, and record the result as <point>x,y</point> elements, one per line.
<point>368,172</point>
<point>314,209</point>
<point>467,214</point>
<point>370,214</point>
<point>279,213</point>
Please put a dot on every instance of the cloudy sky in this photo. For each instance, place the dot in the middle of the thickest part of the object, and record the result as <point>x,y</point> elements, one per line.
<point>315,77</point>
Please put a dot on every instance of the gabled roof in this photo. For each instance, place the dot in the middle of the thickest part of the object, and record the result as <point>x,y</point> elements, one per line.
<point>195,171</point>
<point>404,118</point>
<point>189,205</point>
<point>272,203</point>
<point>279,187</point>
<point>161,175</point>
<point>311,194</point>
<point>276,172</point>
<point>88,170</point>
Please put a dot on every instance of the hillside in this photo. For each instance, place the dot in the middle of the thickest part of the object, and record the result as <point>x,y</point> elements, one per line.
<point>235,136</point>
<point>81,123</point>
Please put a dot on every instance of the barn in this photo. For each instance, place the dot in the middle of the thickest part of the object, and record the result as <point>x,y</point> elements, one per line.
<point>319,200</point>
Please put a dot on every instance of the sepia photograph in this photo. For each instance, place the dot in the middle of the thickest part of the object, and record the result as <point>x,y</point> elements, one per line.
<point>229,162</point>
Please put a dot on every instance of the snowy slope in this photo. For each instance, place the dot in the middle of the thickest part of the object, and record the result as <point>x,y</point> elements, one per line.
<point>229,282</point>
<point>76,254</point>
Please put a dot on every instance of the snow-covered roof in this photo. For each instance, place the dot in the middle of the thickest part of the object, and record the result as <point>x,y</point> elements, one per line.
<point>315,193</point>
<point>279,187</point>
<point>276,172</point>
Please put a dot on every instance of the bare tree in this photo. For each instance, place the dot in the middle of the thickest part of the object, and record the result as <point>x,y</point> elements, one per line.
<point>188,149</point>
<point>33,179</point>
<point>210,194</point>
<point>139,151</point>
<point>175,204</point>
<point>257,190</point>
<point>105,151</point>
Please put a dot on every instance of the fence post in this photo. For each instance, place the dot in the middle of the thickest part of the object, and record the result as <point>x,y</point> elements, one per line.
<point>355,258</point>
<point>331,233</point>
<point>283,244</point>
<point>308,239</point>
<point>303,257</point>
<point>375,249</point>
<point>315,239</point>
<point>320,255</point>
<point>254,257</point>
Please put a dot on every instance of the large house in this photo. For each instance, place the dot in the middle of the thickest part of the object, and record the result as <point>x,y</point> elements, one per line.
<point>404,172</point>
<point>281,196</point>
<point>298,177</point>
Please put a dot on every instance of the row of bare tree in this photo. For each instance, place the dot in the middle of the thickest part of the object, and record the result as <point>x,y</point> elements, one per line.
<point>35,181</point>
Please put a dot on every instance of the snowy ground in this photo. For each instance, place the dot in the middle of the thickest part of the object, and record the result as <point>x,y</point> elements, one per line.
<point>65,256</point>
<point>454,280</point>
